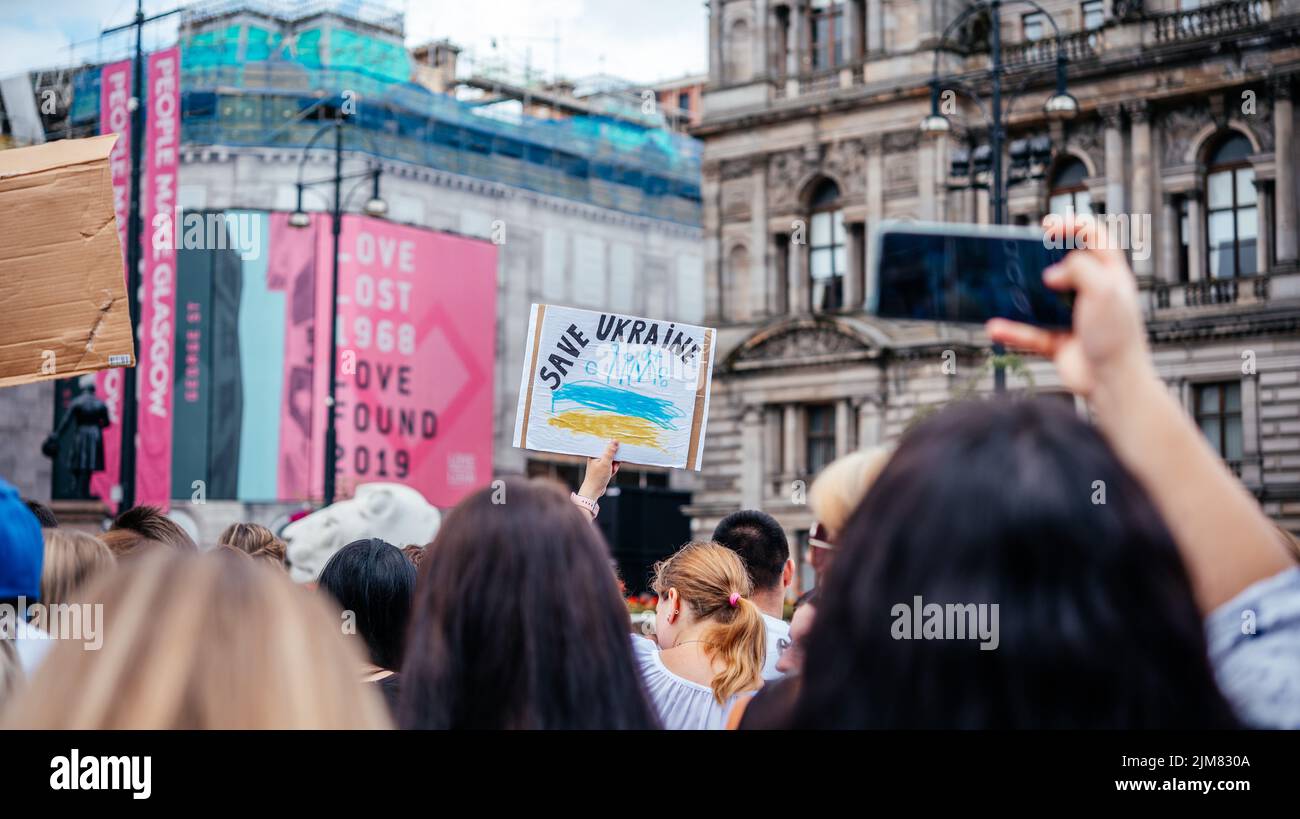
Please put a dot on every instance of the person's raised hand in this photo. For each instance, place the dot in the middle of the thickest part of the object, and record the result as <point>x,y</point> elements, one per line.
<point>599,473</point>
<point>1106,348</point>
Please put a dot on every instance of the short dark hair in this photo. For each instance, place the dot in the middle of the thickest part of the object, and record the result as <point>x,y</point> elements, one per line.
<point>761,543</point>
<point>151,524</point>
<point>43,513</point>
<point>991,502</point>
<point>376,582</point>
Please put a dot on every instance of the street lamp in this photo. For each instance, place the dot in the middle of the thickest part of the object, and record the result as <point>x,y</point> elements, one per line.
<point>1059,106</point>
<point>375,206</point>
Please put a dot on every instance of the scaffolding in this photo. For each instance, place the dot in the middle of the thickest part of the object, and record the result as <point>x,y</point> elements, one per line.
<point>251,68</point>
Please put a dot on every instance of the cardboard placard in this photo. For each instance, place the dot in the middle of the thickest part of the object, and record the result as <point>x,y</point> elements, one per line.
<point>61,274</point>
<point>590,377</point>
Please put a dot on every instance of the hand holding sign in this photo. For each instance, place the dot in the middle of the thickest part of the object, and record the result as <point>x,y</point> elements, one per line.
<point>600,471</point>
<point>590,378</point>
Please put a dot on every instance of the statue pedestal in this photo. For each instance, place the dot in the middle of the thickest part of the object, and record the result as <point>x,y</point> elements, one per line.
<point>84,515</point>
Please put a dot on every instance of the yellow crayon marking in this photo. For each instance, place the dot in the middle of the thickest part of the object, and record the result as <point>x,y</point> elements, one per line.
<point>608,426</point>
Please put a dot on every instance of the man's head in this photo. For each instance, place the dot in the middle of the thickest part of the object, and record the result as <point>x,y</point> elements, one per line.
<point>143,527</point>
<point>761,543</point>
<point>44,515</point>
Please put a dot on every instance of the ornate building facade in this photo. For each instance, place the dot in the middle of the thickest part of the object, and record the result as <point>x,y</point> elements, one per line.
<point>1185,129</point>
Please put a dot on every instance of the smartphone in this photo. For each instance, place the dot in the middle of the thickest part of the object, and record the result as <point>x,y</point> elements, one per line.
<point>938,271</point>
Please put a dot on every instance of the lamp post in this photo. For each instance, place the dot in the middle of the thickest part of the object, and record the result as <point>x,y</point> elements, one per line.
<point>1059,106</point>
<point>299,219</point>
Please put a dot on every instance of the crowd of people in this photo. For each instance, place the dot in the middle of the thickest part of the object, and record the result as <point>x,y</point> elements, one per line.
<point>1166,600</point>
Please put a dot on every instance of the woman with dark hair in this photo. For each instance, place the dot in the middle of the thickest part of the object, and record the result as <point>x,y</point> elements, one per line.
<point>373,582</point>
<point>1040,606</point>
<point>1082,558</point>
<point>518,622</point>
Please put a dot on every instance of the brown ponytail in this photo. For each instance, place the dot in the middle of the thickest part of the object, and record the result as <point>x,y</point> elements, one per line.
<point>707,578</point>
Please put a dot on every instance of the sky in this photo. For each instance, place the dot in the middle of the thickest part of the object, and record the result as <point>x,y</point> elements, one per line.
<point>640,40</point>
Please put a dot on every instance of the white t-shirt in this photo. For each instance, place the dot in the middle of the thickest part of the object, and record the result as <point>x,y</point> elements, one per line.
<point>778,638</point>
<point>681,703</point>
<point>32,645</point>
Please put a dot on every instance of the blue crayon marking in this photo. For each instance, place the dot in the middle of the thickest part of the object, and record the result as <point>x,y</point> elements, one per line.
<point>658,411</point>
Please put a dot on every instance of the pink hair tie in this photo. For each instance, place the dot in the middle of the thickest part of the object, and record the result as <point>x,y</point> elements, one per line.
<point>733,599</point>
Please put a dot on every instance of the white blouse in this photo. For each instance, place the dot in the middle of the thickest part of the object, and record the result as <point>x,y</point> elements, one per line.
<point>681,703</point>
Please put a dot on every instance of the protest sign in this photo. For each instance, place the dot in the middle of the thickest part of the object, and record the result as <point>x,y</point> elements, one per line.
<point>60,264</point>
<point>590,377</point>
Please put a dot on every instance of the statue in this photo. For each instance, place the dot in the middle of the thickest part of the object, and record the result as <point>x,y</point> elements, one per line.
<point>87,453</point>
<point>390,511</point>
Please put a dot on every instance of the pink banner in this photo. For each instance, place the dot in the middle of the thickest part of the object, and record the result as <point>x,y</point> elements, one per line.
<point>416,343</point>
<point>292,270</point>
<point>158,293</point>
<point>115,118</point>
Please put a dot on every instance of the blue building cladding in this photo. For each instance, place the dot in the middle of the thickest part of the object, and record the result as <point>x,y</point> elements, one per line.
<point>601,161</point>
<point>251,68</point>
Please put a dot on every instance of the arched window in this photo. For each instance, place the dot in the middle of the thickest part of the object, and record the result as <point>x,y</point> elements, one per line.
<point>1068,193</point>
<point>1231,217</point>
<point>740,53</point>
<point>827,257</point>
<point>738,283</point>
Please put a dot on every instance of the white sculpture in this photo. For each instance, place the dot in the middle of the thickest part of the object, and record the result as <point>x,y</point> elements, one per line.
<point>390,511</point>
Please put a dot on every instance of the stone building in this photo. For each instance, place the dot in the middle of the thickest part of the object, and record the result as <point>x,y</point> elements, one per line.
<point>811,135</point>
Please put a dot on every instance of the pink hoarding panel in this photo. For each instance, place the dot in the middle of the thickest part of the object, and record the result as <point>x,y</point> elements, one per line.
<point>292,269</point>
<point>416,346</point>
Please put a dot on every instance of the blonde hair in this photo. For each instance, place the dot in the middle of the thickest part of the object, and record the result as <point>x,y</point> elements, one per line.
<point>199,642</point>
<point>11,671</point>
<point>71,559</point>
<point>842,485</point>
<point>706,575</point>
<point>254,540</point>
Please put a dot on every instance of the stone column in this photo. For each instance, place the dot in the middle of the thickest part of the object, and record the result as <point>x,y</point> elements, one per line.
<point>1196,267</point>
<point>796,54</point>
<point>798,275</point>
<point>760,250</point>
<point>1142,213</point>
<point>711,192</point>
<point>1284,190</point>
<point>852,48</point>
<point>1169,244</point>
<point>870,424</point>
<point>775,274</point>
<point>875,188</point>
<point>715,42</point>
<point>1264,207</point>
<point>751,454</point>
<point>792,459</point>
<point>875,27</point>
<point>843,428</point>
<point>1114,146</point>
<point>762,25</point>
<point>853,275</point>
<point>772,422</point>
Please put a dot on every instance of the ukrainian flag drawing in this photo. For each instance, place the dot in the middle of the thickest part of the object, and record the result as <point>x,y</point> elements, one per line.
<point>613,413</point>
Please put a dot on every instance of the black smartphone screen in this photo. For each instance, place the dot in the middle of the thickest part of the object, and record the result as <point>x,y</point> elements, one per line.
<point>967,278</point>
